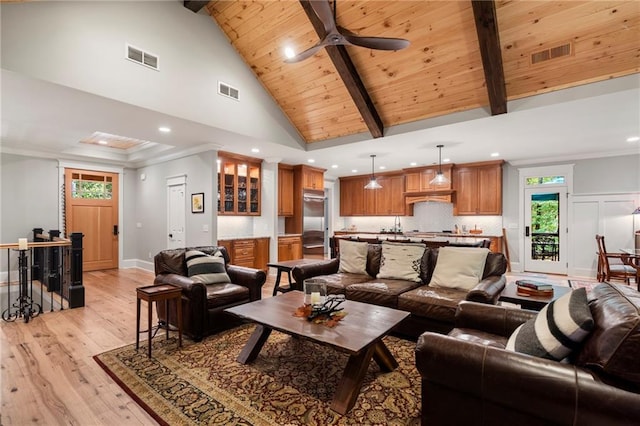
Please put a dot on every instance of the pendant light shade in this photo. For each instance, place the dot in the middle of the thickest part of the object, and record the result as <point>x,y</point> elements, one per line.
<point>373,182</point>
<point>440,179</point>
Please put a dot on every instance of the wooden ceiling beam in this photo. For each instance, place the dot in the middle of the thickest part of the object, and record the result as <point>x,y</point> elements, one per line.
<point>349,75</point>
<point>489,40</point>
<point>195,6</point>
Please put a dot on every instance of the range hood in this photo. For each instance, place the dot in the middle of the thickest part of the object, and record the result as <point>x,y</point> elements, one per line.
<point>440,196</point>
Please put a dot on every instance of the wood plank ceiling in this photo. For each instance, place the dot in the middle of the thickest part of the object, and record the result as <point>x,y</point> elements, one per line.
<point>442,71</point>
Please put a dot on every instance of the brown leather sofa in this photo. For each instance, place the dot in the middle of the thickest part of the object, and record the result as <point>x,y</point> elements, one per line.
<point>432,308</point>
<point>469,378</point>
<point>203,305</point>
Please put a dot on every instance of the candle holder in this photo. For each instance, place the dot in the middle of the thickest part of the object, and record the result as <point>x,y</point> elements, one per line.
<point>315,291</point>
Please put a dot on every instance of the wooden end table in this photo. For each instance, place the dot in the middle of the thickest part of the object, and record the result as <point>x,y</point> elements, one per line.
<point>287,266</point>
<point>158,293</point>
<point>534,303</point>
<point>276,313</point>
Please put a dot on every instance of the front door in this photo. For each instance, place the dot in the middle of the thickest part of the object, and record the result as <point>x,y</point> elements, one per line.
<point>91,208</point>
<point>546,230</point>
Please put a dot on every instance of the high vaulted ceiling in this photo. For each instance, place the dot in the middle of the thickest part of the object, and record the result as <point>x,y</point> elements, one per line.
<point>442,71</point>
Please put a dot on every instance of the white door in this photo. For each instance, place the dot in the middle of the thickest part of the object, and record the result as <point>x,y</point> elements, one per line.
<point>176,216</point>
<point>545,221</point>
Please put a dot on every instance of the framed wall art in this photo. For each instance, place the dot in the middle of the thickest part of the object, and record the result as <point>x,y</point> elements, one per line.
<point>197,202</point>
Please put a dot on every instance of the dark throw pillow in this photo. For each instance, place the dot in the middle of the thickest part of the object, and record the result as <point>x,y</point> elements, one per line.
<point>557,330</point>
<point>206,269</point>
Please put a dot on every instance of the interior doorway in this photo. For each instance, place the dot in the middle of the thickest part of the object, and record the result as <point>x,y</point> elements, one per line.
<point>176,211</point>
<point>91,208</point>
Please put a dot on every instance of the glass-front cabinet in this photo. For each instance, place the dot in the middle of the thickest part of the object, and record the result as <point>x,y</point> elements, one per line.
<point>238,184</point>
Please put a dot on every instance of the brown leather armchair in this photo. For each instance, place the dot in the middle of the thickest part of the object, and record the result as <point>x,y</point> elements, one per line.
<point>469,378</point>
<point>203,304</point>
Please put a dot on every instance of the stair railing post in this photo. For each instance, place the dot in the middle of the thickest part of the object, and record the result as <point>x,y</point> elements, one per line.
<point>76,288</point>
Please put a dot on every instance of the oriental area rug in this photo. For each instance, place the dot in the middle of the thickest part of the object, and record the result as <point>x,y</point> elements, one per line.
<point>291,382</point>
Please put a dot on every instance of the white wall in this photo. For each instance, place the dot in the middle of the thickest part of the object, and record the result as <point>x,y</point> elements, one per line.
<point>81,44</point>
<point>603,189</point>
<point>151,203</point>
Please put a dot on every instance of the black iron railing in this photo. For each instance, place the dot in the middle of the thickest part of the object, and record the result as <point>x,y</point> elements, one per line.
<point>43,276</point>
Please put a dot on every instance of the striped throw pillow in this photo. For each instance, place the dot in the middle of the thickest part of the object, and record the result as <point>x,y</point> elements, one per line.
<point>557,330</point>
<point>206,269</point>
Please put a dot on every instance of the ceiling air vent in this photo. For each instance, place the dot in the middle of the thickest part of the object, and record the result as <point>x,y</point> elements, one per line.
<point>230,92</point>
<point>551,53</point>
<point>143,58</point>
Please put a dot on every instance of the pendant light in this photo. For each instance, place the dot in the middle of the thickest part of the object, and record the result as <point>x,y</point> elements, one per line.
<point>440,179</point>
<point>373,182</point>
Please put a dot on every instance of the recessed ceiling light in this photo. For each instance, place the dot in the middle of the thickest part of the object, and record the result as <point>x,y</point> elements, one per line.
<point>164,129</point>
<point>383,167</point>
<point>446,160</point>
<point>288,52</point>
<point>413,163</point>
<point>103,142</point>
<point>354,171</point>
<point>495,154</point>
<point>633,139</point>
<point>256,150</point>
<point>311,160</point>
<point>334,166</point>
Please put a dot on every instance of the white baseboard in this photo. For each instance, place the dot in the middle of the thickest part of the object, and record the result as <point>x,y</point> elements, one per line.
<point>137,263</point>
<point>4,276</point>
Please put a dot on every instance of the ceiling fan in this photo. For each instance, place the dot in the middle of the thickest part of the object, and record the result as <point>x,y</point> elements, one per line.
<point>336,35</point>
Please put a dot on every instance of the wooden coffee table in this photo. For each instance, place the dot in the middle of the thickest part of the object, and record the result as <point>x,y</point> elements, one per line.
<point>535,303</point>
<point>359,334</point>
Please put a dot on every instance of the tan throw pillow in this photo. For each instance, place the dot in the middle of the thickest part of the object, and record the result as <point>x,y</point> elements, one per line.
<point>401,261</point>
<point>353,257</point>
<point>459,267</point>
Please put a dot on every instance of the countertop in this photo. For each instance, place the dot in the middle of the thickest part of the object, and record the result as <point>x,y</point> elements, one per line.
<point>421,234</point>
<point>450,238</point>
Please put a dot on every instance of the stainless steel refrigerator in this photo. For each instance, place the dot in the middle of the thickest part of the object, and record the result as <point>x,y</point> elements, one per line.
<point>313,226</point>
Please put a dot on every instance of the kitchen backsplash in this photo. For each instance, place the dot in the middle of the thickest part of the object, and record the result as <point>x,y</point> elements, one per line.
<point>429,216</point>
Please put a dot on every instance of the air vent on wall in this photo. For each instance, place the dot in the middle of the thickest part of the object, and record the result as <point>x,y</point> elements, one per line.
<point>551,53</point>
<point>143,58</point>
<point>230,92</point>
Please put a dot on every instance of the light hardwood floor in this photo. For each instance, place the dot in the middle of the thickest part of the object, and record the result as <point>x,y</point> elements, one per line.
<point>48,375</point>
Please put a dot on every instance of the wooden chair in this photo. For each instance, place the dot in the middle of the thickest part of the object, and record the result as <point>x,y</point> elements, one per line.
<point>619,269</point>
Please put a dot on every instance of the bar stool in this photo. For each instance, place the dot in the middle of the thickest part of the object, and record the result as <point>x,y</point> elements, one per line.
<point>158,293</point>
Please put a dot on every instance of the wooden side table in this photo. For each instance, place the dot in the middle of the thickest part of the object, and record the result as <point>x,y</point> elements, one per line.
<point>158,293</point>
<point>534,303</point>
<point>287,266</point>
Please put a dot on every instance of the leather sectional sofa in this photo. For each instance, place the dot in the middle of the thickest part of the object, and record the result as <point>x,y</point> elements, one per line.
<point>468,377</point>
<point>432,308</point>
<point>203,304</point>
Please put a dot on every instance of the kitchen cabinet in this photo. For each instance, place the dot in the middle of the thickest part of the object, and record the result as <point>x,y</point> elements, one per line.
<point>248,252</point>
<point>285,190</point>
<point>388,200</point>
<point>355,200</point>
<point>312,177</point>
<point>478,189</point>
<point>418,185</point>
<point>289,247</point>
<point>238,184</point>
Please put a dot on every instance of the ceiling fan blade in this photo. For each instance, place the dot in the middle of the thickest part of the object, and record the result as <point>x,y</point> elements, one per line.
<point>324,12</point>
<point>378,43</point>
<point>306,53</point>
